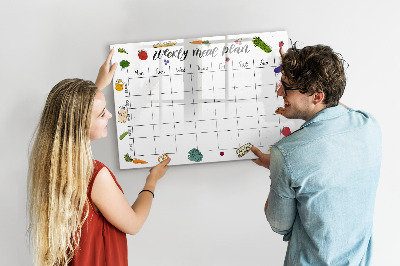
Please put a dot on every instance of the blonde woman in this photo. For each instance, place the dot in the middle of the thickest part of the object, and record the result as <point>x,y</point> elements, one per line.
<point>78,212</point>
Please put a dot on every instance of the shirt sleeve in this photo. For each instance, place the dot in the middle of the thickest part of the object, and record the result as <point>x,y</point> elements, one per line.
<point>281,210</point>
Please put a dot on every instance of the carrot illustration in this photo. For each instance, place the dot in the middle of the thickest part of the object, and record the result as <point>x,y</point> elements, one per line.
<point>197,42</point>
<point>136,161</point>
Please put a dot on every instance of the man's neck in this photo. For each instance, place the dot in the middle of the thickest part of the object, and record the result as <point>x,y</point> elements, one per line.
<point>318,108</point>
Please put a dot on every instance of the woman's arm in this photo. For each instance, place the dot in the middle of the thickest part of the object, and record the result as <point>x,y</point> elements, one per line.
<point>114,206</point>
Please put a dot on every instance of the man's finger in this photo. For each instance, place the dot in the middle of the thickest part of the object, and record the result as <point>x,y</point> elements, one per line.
<point>281,52</point>
<point>256,151</point>
<point>257,161</point>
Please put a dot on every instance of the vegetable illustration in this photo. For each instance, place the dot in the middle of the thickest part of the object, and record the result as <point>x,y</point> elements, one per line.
<point>261,44</point>
<point>285,131</point>
<point>280,111</point>
<point>124,64</point>
<point>281,43</point>
<point>135,161</point>
<point>122,51</point>
<point>201,42</point>
<point>243,150</point>
<point>222,153</point>
<point>164,45</point>
<point>123,135</point>
<point>128,158</point>
<point>142,55</point>
<point>239,41</point>
<point>119,85</point>
<point>278,69</point>
<point>163,157</point>
<point>195,155</point>
<point>122,115</point>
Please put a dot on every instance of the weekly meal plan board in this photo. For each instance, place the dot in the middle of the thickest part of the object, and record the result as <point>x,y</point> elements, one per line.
<point>198,100</point>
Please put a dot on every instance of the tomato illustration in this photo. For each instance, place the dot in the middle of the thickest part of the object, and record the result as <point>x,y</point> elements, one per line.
<point>285,131</point>
<point>142,55</point>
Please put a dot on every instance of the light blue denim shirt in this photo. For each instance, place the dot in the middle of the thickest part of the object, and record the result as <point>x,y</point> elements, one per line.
<point>323,183</point>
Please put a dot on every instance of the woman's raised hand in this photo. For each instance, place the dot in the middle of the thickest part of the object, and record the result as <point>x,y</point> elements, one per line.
<point>105,73</point>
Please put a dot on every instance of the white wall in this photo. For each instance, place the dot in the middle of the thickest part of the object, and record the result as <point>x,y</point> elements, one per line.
<point>210,214</point>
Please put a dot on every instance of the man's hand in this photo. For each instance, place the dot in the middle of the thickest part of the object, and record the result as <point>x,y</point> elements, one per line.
<point>263,159</point>
<point>105,73</point>
<point>281,52</point>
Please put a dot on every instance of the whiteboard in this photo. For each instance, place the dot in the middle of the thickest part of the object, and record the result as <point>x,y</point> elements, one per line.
<point>198,100</point>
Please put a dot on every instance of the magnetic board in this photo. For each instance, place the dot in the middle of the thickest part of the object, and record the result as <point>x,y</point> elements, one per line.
<point>198,100</point>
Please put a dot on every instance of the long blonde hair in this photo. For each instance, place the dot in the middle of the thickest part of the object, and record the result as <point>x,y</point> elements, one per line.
<point>60,167</point>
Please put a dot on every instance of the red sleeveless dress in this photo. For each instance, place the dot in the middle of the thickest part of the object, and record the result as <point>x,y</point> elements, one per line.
<point>101,243</point>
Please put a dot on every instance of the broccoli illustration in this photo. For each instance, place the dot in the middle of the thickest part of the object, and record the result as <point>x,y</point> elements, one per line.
<point>124,63</point>
<point>122,51</point>
<point>195,155</point>
<point>261,44</point>
<point>128,158</point>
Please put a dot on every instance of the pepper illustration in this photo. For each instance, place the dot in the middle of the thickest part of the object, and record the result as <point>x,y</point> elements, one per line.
<point>285,131</point>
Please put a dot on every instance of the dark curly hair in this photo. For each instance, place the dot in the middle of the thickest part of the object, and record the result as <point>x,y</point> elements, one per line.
<point>316,69</point>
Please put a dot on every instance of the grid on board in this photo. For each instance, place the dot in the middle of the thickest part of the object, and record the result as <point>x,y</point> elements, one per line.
<point>181,107</point>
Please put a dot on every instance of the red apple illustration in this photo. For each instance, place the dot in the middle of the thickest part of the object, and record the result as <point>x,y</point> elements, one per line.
<point>285,131</point>
<point>221,153</point>
<point>142,55</point>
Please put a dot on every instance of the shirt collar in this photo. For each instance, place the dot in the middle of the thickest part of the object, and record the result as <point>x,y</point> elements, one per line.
<point>326,114</point>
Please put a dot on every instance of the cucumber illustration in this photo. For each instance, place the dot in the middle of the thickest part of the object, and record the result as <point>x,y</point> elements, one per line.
<point>123,135</point>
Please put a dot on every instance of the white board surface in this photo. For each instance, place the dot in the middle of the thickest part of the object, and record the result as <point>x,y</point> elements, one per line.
<point>198,100</point>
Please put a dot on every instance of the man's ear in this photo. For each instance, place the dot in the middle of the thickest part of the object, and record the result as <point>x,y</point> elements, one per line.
<point>318,97</point>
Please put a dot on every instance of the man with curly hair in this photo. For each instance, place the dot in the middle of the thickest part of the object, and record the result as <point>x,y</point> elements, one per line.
<point>323,176</point>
